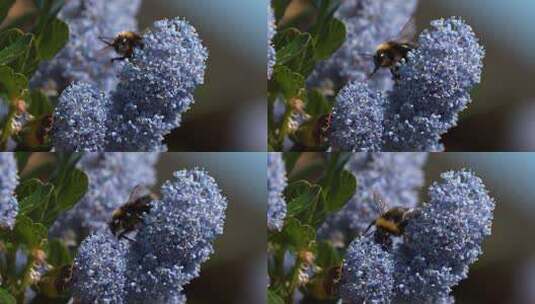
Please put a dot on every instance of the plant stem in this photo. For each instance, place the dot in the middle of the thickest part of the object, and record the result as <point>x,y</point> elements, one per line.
<point>285,125</point>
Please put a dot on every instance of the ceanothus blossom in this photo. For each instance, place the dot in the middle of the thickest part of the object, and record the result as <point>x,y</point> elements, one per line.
<point>441,240</point>
<point>432,88</point>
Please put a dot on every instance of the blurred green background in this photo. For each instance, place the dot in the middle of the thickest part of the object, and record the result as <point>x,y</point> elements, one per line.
<point>236,272</point>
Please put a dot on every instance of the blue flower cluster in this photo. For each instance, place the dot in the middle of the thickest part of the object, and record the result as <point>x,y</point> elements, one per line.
<point>112,176</point>
<point>276,179</point>
<point>155,87</point>
<point>173,241</point>
<point>86,106</point>
<point>85,58</point>
<point>442,239</point>
<point>432,89</point>
<point>395,178</point>
<point>368,24</point>
<point>9,180</point>
<point>271,56</point>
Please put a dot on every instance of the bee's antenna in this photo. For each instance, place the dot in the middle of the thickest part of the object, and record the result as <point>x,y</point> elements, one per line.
<point>105,40</point>
<point>374,72</point>
<point>366,55</point>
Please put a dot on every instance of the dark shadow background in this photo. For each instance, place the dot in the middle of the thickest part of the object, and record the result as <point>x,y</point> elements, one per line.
<point>236,272</point>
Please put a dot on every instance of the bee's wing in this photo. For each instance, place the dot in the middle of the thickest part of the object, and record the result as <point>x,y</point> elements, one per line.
<point>378,199</point>
<point>408,32</point>
<point>138,192</point>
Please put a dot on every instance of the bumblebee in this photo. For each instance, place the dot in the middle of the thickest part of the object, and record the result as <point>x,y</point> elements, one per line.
<point>125,218</point>
<point>124,44</point>
<point>391,221</point>
<point>323,128</point>
<point>388,54</point>
<point>63,281</point>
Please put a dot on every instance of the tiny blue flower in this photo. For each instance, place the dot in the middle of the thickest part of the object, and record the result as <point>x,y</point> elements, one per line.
<point>276,178</point>
<point>368,273</point>
<point>156,86</point>
<point>9,180</point>
<point>80,119</point>
<point>434,86</point>
<point>99,269</point>
<point>271,56</point>
<point>177,236</point>
<point>444,238</point>
<point>441,240</point>
<point>357,119</point>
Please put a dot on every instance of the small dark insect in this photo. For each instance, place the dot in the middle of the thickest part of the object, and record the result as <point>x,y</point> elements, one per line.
<point>323,128</point>
<point>325,286</point>
<point>127,217</point>
<point>45,126</point>
<point>124,44</point>
<point>64,278</point>
<point>388,54</point>
<point>334,275</point>
<point>391,221</point>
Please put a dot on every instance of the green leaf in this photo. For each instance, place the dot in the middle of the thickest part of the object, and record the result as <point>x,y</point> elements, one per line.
<point>57,253</point>
<point>6,297</point>
<point>295,50</point>
<point>22,159</point>
<point>5,5</point>
<point>279,7</point>
<point>34,197</point>
<point>52,39</point>
<point>29,233</point>
<point>290,83</point>
<point>296,235</point>
<point>342,188</point>
<point>16,49</point>
<point>39,104</point>
<point>330,38</point>
<point>317,105</point>
<point>8,37</point>
<point>327,256</point>
<point>302,198</point>
<point>72,189</point>
<point>69,189</point>
<point>274,298</point>
<point>290,159</point>
<point>12,83</point>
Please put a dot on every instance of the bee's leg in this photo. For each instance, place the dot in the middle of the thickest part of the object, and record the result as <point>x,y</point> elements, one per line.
<point>118,59</point>
<point>124,236</point>
<point>369,227</point>
<point>395,73</point>
<point>375,70</point>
